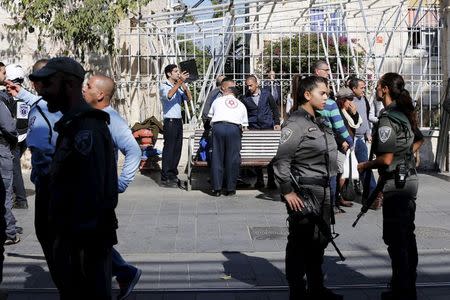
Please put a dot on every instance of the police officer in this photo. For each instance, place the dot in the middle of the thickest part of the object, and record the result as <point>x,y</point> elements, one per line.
<point>20,111</point>
<point>397,139</point>
<point>228,116</point>
<point>98,92</point>
<point>83,184</point>
<point>2,226</point>
<point>308,150</point>
<point>41,140</point>
<point>8,140</point>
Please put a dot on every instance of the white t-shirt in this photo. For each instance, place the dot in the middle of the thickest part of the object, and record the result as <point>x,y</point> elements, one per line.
<point>228,109</point>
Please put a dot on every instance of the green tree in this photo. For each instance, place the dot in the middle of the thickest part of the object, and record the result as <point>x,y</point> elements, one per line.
<point>80,25</point>
<point>296,53</point>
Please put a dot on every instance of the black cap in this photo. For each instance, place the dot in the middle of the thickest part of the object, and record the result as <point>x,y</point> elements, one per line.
<point>61,64</point>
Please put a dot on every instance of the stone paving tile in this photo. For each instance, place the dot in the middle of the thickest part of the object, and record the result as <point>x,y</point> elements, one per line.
<point>156,223</point>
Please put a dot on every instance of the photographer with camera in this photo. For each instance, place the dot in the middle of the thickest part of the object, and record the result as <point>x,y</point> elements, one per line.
<point>396,141</point>
<point>308,151</point>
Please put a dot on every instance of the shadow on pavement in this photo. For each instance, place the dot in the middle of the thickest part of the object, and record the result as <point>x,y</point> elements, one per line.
<point>252,270</point>
<point>37,277</point>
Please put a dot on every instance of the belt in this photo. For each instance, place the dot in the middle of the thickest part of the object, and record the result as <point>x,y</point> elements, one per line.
<point>391,175</point>
<point>320,181</point>
<point>225,122</point>
<point>172,119</point>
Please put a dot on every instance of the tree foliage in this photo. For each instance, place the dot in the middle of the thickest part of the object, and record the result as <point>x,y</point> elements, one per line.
<point>80,25</point>
<point>296,54</point>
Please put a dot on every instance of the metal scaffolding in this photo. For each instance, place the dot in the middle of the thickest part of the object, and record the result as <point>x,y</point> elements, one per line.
<point>242,37</point>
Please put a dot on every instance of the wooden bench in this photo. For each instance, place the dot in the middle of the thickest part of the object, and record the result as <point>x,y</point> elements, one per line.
<point>258,149</point>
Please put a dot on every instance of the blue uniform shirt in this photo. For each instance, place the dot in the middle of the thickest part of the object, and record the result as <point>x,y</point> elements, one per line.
<point>171,106</point>
<point>125,142</point>
<point>41,137</point>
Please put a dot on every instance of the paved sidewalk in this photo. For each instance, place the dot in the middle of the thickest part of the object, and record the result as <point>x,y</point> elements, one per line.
<point>194,246</point>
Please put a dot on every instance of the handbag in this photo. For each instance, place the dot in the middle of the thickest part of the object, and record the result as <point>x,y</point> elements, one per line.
<point>349,190</point>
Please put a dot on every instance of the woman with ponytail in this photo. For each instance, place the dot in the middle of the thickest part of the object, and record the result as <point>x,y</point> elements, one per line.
<point>308,152</point>
<point>396,140</point>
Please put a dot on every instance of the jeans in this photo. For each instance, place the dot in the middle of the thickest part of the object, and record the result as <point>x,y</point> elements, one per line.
<point>120,268</point>
<point>362,155</point>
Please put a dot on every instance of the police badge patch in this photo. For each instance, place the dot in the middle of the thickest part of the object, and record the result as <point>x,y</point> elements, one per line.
<point>83,142</point>
<point>384,133</point>
<point>285,135</point>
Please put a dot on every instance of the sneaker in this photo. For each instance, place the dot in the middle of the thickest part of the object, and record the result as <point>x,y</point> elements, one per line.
<point>126,287</point>
<point>12,240</point>
<point>20,205</point>
<point>19,230</point>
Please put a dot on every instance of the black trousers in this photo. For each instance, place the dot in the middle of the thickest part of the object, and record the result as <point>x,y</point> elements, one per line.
<point>173,143</point>
<point>2,225</point>
<point>399,208</point>
<point>44,232</point>
<point>226,156</point>
<point>270,174</point>
<point>305,250</point>
<point>84,271</point>
<point>18,185</point>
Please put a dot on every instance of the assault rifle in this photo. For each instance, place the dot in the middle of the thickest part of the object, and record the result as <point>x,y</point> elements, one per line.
<point>312,212</point>
<point>370,200</point>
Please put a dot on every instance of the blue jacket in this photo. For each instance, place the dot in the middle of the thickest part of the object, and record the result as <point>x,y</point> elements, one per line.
<point>265,115</point>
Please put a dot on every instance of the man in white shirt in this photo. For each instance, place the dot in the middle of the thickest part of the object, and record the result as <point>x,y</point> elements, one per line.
<point>228,117</point>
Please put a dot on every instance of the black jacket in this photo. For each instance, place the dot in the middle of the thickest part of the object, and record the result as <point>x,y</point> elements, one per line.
<point>83,181</point>
<point>264,115</point>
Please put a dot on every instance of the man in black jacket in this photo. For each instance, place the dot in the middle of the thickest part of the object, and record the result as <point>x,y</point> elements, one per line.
<point>263,114</point>
<point>83,185</point>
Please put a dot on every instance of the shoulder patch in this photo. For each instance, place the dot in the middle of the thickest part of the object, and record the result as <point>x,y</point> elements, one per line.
<point>83,142</point>
<point>384,132</point>
<point>286,133</point>
<point>22,110</point>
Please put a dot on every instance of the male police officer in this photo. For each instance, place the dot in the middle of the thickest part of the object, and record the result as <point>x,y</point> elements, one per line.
<point>41,140</point>
<point>98,92</point>
<point>83,184</point>
<point>8,139</point>
<point>20,111</point>
<point>228,116</point>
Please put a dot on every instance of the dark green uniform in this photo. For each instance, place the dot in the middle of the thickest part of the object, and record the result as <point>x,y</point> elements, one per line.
<point>395,135</point>
<point>308,150</point>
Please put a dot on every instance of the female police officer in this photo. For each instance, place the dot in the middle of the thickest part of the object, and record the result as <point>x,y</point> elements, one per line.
<point>396,140</point>
<point>308,150</point>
